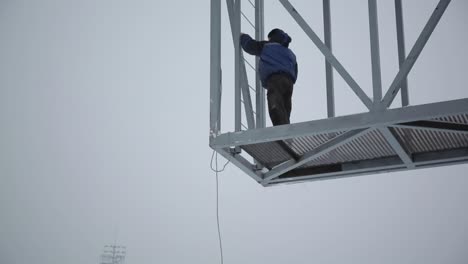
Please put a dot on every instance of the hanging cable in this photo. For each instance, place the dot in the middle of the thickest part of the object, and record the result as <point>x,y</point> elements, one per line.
<point>211,163</point>
<point>217,206</point>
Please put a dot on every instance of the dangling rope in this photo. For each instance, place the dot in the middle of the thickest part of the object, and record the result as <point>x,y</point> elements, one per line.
<point>211,163</point>
<point>217,199</point>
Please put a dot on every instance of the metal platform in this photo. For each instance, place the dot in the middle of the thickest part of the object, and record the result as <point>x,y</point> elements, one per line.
<point>397,139</point>
<point>380,140</point>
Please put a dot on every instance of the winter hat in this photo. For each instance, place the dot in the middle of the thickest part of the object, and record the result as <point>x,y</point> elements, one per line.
<point>279,36</point>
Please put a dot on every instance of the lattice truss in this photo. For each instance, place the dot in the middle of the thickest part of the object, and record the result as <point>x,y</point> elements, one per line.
<point>380,140</point>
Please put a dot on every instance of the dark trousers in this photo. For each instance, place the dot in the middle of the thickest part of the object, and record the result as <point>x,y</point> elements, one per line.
<point>280,89</point>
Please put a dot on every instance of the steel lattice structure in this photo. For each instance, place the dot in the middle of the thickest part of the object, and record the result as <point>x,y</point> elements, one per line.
<point>376,141</point>
<point>113,254</point>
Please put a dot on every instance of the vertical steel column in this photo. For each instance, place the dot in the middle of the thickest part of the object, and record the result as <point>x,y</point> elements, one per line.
<point>215,68</point>
<point>401,50</point>
<point>375,53</point>
<point>260,91</point>
<point>328,67</point>
<point>245,91</point>
<point>237,60</point>
<point>328,55</point>
<point>414,53</point>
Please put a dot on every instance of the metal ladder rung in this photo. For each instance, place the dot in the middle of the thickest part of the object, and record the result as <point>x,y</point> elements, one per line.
<point>252,67</point>
<point>253,89</point>
<point>242,101</point>
<point>248,20</point>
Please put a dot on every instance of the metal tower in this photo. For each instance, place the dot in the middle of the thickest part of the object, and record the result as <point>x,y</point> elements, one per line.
<point>379,140</point>
<point>113,254</point>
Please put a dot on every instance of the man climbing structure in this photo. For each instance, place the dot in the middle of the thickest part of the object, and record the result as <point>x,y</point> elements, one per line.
<point>278,71</point>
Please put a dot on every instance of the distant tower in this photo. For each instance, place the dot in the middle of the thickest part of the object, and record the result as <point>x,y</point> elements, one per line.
<point>113,254</point>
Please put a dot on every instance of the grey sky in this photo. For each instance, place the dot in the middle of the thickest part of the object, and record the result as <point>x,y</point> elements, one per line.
<point>104,137</point>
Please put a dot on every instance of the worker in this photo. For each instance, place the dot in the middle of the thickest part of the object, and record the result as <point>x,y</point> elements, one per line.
<point>278,71</point>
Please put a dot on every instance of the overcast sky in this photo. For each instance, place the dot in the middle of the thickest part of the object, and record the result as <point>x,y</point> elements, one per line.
<point>104,138</point>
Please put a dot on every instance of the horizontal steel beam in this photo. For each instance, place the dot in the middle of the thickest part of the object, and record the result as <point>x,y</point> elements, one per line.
<point>349,170</point>
<point>343,123</point>
<point>241,163</point>
<point>384,165</point>
<point>435,126</point>
<point>440,157</point>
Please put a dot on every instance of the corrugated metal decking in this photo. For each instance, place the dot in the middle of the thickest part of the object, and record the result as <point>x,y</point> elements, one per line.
<point>368,147</point>
<point>302,145</point>
<point>271,154</point>
<point>457,119</point>
<point>420,141</point>
<point>268,154</point>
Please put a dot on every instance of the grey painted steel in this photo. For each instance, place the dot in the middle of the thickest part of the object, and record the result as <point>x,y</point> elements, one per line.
<point>348,170</point>
<point>343,123</point>
<point>420,141</point>
<point>327,53</point>
<point>391,164</point>
<point>371,145</point>
<point>245,90</point>
<point>241,163</point>
<point>236,29</point>
<point>457,119</point>
<point>414,53</point>
<point>401,50</point>
<point>267,154</point>
<point>375,52</point>
<point>260,91</point>
<point>302,145</point>
<point>288,150</point>
<point>434,126</point>
<point>404,155</point>
<point>328,67</point>
<point>411,137</point>
<point>441,157</point>
<point>249,113</point>
<point>215,68</point>
<point>314,153</point>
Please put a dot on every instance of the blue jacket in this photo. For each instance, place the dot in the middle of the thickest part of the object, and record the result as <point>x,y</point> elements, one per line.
<point>275,56</point>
